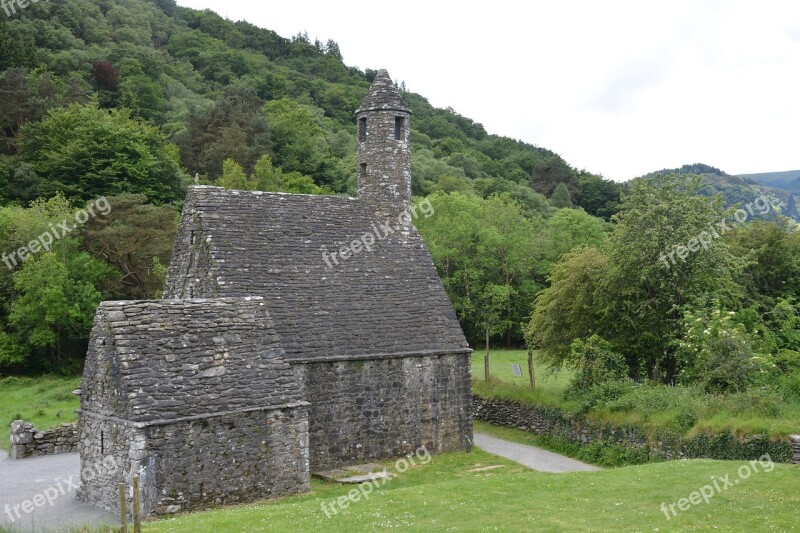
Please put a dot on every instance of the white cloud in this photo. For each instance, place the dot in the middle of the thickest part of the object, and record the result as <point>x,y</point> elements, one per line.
<point>620,88</point>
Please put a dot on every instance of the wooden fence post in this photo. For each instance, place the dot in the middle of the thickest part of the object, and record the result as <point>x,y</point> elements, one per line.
<point>137,518</point>
<point>123,509</point>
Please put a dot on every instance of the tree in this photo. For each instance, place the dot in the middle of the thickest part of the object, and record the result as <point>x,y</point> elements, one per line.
<point>85,152</point>
<point>549,172</point>
<point>332,49</point>
<point>270,179</point>
<point>233,177</point>
<point>492,313</point>
<point>104,76</point>
<point>561,197</point>
<point>572,307</point>
<point>599,197</point>
<point>55,308</point>
<point>635,294</point>
<point>51,295</point>
<point>235,128</point>
<point>568,229</point>
<point>136,238</point>
<point>16,104</point>
<point>655,275</point>
<point>486,253</point>
<point>773,249</point>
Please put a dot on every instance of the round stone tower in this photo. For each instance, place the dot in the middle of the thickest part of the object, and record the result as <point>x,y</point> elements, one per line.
<point>384,149</point>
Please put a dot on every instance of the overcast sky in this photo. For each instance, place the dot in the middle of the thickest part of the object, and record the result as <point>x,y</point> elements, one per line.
<point>617,88</point>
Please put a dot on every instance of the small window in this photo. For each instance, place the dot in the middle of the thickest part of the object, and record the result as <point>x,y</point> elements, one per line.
<point>399,126</point>
<point>363,171</point>
<point>362,129</point>
<point>102,442</point>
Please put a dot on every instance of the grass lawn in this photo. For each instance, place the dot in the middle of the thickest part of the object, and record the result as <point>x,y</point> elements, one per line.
<point>45,401</point>
<point>444,496</point>
<point>653,410</point>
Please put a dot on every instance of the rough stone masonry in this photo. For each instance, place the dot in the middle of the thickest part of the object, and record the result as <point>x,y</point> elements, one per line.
<point>264,363</point>
<point>27,441</point>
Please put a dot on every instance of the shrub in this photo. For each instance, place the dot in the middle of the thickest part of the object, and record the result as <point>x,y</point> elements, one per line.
<point>596,363</point>
<point>761,402</point>
<point>789,386</point>
<point>716,352</point>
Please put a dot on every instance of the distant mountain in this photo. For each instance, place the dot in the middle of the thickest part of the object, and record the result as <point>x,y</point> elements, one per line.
<point>742,189</point>
<point>789,180</point>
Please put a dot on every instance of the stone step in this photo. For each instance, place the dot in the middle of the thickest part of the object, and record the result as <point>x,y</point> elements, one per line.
<point>355,474</point>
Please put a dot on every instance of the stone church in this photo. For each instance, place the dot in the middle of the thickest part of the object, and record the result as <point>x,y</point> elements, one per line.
<point>297,333</point>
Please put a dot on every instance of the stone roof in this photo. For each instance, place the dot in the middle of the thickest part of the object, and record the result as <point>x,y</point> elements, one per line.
<point>383,95</point>
<point>389,300</point>
<point>166,360</point>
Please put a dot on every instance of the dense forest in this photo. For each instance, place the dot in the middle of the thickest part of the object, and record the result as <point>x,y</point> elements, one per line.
<point>109,110</point>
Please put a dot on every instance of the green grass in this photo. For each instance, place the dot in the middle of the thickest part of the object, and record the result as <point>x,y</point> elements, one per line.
<point>44,401</point>
<point>548,383</point>
<point>444,496</point>
<point>651,409</point>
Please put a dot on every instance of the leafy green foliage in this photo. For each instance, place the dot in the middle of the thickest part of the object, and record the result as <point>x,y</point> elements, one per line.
<point>85,152</point>
<point>716,352</point>
<point>136,239</point>
<point>561,196</point>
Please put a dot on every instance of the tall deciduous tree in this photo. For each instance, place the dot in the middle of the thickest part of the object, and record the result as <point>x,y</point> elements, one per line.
<point>85,152</point>
<point>136,238</point>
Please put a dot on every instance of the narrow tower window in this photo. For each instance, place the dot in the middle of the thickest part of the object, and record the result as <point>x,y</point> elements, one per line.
<point>102,442</point>
<point>399,126</point>
<point>362,171</point>
<point>362,129</point>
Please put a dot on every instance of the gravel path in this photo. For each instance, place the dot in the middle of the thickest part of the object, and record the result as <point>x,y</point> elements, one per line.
<point>26,482</point>
<point>530,456</point>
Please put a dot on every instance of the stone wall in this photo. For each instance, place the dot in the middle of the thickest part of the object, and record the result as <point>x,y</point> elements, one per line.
<point>374,409</point>
<point>551,421</point>
<point>27,441</point>
<point>197,464</point>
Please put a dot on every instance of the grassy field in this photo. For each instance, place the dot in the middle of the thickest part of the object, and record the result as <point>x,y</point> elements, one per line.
<point>44,401</point>
<point>445,496</point>
<point>745,414</point>
<point>548,384</point>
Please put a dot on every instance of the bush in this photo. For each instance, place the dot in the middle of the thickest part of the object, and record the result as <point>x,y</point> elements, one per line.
<point>601,394</point>
<point>761,402</point>
<point>596,364</point>
<point>682,405</point>
<point>789,386</point>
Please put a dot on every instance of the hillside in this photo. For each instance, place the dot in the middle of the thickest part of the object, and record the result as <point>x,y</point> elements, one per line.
<point>220,90</point>
<point>789,180</point>
<point>743,189</point>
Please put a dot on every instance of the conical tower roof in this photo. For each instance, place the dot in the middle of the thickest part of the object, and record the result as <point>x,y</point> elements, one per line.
<point>383,95</point>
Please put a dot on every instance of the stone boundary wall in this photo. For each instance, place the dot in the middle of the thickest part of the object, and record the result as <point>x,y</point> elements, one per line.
<point>551,421</point>
<point>27,441</point>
